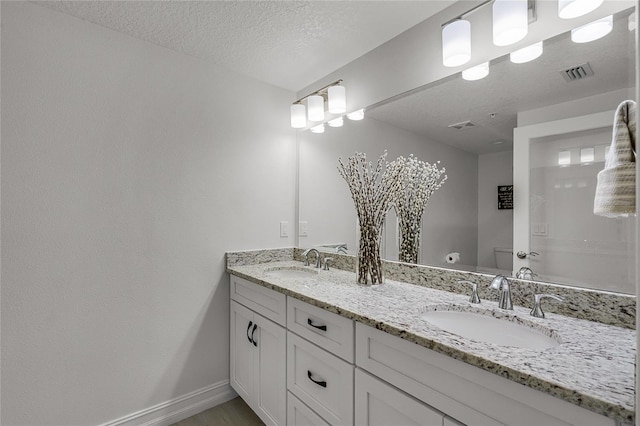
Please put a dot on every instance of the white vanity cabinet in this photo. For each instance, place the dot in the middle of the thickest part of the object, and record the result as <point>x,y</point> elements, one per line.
<point>460,391</point>
<point>258,349</point>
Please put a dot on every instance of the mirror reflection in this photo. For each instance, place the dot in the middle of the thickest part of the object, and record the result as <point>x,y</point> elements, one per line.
<point>468,126</point>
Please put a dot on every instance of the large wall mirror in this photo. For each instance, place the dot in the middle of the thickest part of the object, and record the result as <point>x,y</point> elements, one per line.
<point>463,216</point>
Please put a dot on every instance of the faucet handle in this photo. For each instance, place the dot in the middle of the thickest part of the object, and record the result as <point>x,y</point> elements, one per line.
<point>474,291</point>
<point>537,305</point>
<point>325,263</point>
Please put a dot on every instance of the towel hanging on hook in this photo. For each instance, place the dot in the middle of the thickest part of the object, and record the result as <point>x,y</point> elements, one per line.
<point>616,187</point>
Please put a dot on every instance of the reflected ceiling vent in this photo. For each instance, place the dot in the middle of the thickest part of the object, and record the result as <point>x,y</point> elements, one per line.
<point>463,125</point>
<point>578,72</point>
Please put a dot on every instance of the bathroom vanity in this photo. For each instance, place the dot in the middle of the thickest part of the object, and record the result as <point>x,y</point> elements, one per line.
<point>310,346</point>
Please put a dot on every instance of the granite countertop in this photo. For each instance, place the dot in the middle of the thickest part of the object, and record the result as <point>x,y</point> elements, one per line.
<point>593,367</point>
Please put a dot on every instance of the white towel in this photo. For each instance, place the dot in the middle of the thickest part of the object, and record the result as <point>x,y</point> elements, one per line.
<point>616,188</point>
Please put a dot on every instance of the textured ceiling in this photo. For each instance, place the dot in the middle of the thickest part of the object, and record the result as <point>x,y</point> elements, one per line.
<point>289,44</point>
<point>510,88</point>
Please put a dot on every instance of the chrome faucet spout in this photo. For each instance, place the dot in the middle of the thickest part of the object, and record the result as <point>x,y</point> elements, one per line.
<point>501,283</point>
<point>306,256</point>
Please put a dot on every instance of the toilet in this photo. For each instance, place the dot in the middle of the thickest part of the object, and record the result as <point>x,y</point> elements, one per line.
<point>504,258</point>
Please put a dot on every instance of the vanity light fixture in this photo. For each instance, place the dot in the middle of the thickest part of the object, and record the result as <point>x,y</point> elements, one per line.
<point>587,155</point>
<point>336,122</point>
<point>337,100</point>
<point>568,9</point>
<point>298,116</point>
<point>564,158</point>
<point>456,43</point>
<point>476,73</point>
<point>356,115</point>
<point>526,54</point>
<point>318,129</point>
<point>510,21</point>
<point>315,108</point>
<point>633,22</point>
<point>593,30</point>
<point>315,104</point>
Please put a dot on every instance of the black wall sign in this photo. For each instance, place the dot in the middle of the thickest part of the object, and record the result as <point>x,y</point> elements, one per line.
<point>505,197</point>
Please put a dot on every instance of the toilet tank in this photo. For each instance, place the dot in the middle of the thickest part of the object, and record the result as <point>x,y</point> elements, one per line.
<point>504,258</point>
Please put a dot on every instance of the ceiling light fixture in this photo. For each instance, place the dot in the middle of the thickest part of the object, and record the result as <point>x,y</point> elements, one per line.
<point>510,21</point>
<point>568,9</point>
<point>593,30</point>
<point>526,54</point>
<point>356,115</point>
<point>476,73</point>
<point>456,43</point>
<point>333,94</point>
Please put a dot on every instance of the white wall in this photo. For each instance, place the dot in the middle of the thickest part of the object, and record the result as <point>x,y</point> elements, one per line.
<point>450,218</point>
<point>495,227</point>
<point>127,171</point>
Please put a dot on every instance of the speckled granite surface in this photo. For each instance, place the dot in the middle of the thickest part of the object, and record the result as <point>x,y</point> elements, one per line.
<point>593,367</point>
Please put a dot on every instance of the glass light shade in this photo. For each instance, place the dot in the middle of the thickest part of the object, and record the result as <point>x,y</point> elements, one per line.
<point>510,21</point>
<point>356,115</point>
<point>587,155</point>
<point>526,54</point>
<point>318,129</point>
<point>337,100</point>
<point>456,43</point>
<point>592,31</point>
<point>336,122</point>
<point>477,72</point>
<point>315,104</point>
<point>568,9</point>
<point>298,116</point>
<point>633,22</point>
<point>564,158</point>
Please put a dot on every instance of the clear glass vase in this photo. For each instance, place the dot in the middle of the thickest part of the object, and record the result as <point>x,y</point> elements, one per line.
<point>368,261</point>
<point>409,237</point>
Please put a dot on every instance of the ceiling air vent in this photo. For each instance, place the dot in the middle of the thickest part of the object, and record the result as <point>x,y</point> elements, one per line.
<point>463,125</point>
<point>578,72</point>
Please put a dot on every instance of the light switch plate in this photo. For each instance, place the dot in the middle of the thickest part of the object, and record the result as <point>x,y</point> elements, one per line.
<point>284,229</point>
<point>304,228</point>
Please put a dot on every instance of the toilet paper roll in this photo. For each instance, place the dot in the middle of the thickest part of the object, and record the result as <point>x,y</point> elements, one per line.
<point>453,258</point>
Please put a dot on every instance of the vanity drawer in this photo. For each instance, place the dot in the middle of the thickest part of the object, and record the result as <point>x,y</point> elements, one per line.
<point>321,380</point>
<point>266,302</point>
<point>471,395</point>
<point>326,329</point>
<point>299,414</point>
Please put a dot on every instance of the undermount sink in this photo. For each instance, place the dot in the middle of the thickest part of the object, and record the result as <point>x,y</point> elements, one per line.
<point>481,326</point>
<point>291,272</point>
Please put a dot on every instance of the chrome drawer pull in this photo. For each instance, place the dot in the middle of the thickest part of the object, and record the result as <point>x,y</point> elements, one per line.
<point>321,327</point>
<point>317,382</point>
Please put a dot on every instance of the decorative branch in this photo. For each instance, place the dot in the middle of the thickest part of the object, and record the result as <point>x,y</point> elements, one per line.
<point>373,191</point>
<point>420,180</point>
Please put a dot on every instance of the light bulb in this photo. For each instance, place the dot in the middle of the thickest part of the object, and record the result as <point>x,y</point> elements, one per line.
<point>336,122</point>
<point>356,115</point>
<point>568,9</point>
<point>315,104</point>
<point>456,43</point>
<point>337,100</point>
<point>593,30</point>
<point>477,72</point>
<point>526,54</point>
<point>510,21</point>
<point>298,116</point>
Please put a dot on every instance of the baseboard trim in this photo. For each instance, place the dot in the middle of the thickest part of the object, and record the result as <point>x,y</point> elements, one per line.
<point>174,410</point>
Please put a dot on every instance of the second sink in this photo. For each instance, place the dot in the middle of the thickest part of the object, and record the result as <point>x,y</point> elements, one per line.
<point>291,272</point>
<point>482,326</point>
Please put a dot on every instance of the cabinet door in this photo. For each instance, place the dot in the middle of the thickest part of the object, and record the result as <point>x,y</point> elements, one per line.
<point>241,353</point>
<point>270,371</point>
<point>378,403</point>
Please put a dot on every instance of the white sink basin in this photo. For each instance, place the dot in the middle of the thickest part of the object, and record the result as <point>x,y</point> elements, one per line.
<point>292,272</point>
<point>485,328</point>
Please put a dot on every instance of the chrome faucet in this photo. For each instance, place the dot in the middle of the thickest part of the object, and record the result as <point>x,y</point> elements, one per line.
<point>537,307</point>
<point>474,291</point>
<point>502,284</point>
<point>525,273</point>
<point>306,257</point>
